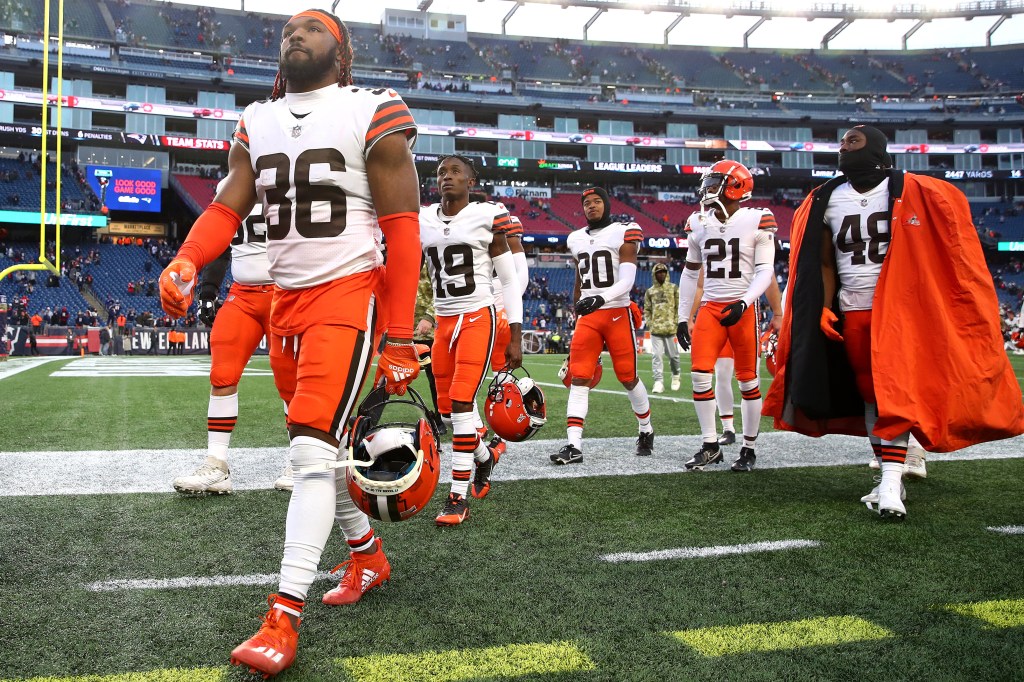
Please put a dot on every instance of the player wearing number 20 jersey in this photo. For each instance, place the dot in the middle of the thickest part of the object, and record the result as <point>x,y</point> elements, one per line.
<point>605,254</point>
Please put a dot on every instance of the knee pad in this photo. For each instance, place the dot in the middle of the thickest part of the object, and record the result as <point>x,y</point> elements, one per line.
<point>312,458</point>
<point>749,384</point>
<point>701,381</point>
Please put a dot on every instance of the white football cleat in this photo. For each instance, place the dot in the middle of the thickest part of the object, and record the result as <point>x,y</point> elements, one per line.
<point>915,464</point>
<point>212,477</point>
<point>659,387</point>
<point>284,482</point>
<point>873,464</point>
<point>886,501</point>
<point>675,382</point>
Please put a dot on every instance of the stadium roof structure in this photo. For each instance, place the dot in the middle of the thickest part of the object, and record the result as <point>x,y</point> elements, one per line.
<point>765,10</point>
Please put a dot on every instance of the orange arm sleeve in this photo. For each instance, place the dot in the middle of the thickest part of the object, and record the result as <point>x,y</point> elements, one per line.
<point>210,235</point>
<point>401,279</point>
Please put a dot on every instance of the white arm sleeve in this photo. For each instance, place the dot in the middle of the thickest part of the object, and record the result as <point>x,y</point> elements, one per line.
<point>687,289</point>
<point>623,283</point>
<point>505,268</point>
<point>522,270</point>
<point>764,254</point>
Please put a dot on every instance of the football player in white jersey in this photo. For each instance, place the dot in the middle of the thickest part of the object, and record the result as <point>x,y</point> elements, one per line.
<point>605,254</point>
<point>238,327</point>
<point>464,245</point>
<point>332,166</point>
<point>736,248</point>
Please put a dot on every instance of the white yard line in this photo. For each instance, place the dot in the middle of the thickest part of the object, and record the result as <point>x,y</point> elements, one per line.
<point>1007,530</point>
<point>191,582</point>
<point>705,552</point>
<point>12,367</point>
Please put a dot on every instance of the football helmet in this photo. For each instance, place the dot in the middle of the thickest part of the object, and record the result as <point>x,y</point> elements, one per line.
<point>515,407</point>
<point>769,342</point>
<point>725,179</point>
<point>393,466</point>
<point>563,374</point>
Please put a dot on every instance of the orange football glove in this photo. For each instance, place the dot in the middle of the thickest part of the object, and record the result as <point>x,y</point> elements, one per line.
<point>828,325</point>
<point>176,282</point>
<point>398,365</point>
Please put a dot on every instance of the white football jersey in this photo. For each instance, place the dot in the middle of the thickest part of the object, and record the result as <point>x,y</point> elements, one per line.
<point>456,249</point>
<point>597,258</point>
<point>309,151</point>
<point>515,230</point>
<point>729,250</point>
<point>249,263</point>
<point>860,234</point>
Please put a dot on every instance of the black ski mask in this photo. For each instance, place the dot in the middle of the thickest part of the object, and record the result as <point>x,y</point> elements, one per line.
<point>605,219</point>
<point>867,167</point>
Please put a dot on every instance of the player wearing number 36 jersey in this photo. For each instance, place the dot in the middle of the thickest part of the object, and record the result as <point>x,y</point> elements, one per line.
<point>332,166</point>
<point>464,244</point>
<point>605,254</point>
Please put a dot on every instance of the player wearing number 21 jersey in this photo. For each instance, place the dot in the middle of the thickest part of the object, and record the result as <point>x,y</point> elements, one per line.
<point>332,166</point>
<point>464,244</point>
<point>605,254</point>
<point>735,247</point>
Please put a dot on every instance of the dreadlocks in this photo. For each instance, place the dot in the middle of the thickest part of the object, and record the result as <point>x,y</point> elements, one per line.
<point>345,51</point>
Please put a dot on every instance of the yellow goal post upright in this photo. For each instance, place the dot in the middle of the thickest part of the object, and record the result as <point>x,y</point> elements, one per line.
<point>45,263</point>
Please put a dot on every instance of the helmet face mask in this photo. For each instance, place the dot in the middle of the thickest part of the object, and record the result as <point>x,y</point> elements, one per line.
<point>725,181</point>
<point>769,344</point>
<point>515,407</point>
<point>394,466</point>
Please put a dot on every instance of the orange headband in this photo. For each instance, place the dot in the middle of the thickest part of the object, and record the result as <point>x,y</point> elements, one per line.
<point>324,18</point>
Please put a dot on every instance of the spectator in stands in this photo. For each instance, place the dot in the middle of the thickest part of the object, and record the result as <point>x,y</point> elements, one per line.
<point>37,322</point>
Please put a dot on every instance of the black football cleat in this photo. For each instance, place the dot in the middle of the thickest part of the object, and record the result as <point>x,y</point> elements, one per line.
<point>567,455</point>
<point>727,438</point>
<point>746,460</point>
<point>645,445</point>
<point>709,453</point>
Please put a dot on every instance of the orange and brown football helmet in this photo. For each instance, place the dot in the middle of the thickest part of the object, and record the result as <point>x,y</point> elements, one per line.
<point>769,342</point>
<point>725,179</point>
<point>515,407</point>
<point>563,374</point>
<point>393,466</point>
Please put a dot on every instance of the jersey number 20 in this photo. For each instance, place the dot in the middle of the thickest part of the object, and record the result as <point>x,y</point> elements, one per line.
<point>590,268</point>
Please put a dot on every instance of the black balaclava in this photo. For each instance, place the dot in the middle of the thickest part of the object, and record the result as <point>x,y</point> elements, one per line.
<point>605,220</point>
<point>866,167</point>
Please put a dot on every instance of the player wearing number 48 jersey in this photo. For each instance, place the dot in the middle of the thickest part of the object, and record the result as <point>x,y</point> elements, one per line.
<point>892,322</point>
<point>605,254</point>
<point>332,166</point>
<point>464,244</point>
<point>238,327</point>
<point>736,248</point>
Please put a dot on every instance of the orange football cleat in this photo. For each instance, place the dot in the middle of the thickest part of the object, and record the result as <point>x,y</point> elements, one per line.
<point>455,511</point>
<point>363,572</point>
<point>273,647</point>
<point>481,484</point>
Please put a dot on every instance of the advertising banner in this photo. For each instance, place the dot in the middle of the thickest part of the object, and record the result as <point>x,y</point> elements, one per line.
<point>125,189</point>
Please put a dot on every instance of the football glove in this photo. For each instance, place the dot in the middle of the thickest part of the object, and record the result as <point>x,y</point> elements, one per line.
<point>828,325</point>
<point>176,282</point>
<point>732,313</point>
<point>587,305</point>
<point>683,335</point>
<point>207,311</point>
<point>398,365</point>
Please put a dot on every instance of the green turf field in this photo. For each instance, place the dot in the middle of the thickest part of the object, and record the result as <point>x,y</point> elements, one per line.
<point>521,592</point>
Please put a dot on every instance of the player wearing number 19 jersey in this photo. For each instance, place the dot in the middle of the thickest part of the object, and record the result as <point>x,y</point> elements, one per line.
<point>464,244</point>
<point>605,254</point>
<point>332,166</point>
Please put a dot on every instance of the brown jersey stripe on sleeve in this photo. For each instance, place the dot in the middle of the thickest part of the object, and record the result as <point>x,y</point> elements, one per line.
<point>390,116</point>
<point>502,223</point>
<point>241,135</point>
<point>634,235</point>
<point>767,222</point>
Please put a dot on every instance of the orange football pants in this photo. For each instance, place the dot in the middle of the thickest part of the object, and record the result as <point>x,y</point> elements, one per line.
<point>502,337</point>
<point>857,342</point>
<point>460,354</point>
<point>610,327</point>
<point>710,339</point>
<point>241,323</point>
<point>320,371</point>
